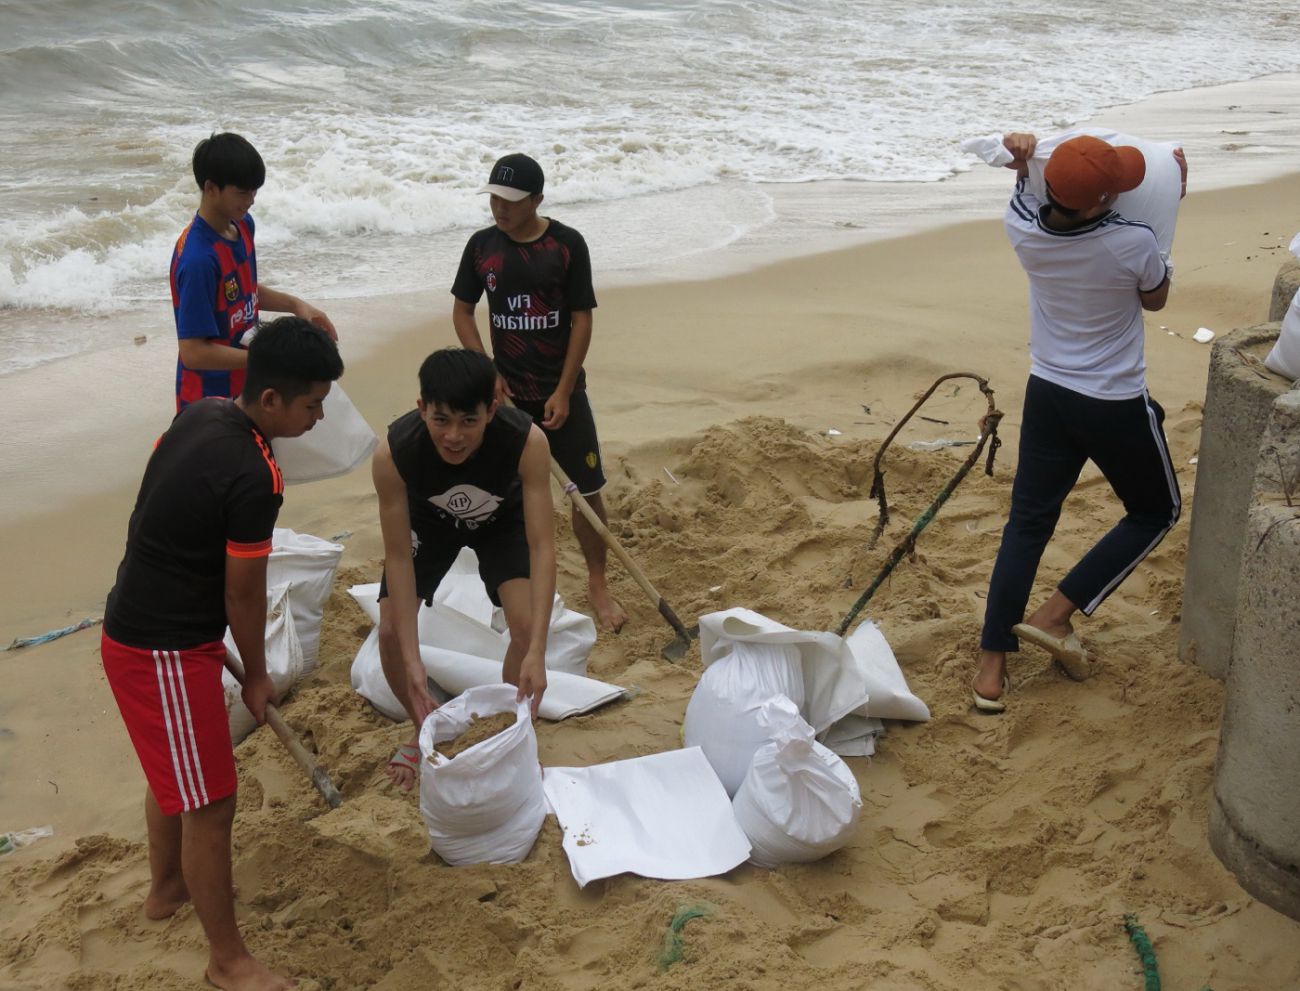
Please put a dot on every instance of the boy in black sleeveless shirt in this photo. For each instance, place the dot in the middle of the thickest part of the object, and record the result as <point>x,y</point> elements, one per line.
<point>458,471</point>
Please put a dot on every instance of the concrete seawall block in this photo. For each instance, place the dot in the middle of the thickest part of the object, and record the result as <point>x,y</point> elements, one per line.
<point>1239,400</point>
<point>1284,288</point>
<point>1255,815</point>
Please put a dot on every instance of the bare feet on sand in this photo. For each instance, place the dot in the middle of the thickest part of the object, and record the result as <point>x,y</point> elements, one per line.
<point>165,900</point>
<point>246,973</point>
<point>609,611</point>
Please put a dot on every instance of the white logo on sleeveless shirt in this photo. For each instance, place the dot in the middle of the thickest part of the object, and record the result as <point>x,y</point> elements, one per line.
<point>468,504</point>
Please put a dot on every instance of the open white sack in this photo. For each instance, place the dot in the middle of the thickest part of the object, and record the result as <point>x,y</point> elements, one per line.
<point>663,816</point>
<point>798,801</point>
<point>485,806</point>
<point>453,672</point>
<point>283,660</point>
<point>307,565</point>
<point>722,717</point>
<point>334,446</point>
<point>462,618</point>
<point>1154,202</point>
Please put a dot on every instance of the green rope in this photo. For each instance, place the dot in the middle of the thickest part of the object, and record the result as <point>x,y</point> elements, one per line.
<point>672,951</point>
<point>1146,953</point>
<point>1138,937</point>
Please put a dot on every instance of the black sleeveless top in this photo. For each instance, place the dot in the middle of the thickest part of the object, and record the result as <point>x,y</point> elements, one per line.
<point>467,496</point>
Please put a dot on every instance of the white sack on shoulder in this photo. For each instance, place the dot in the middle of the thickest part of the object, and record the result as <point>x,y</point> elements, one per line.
<point>722,715</point>
<point>307,565</point>
<point>486,805</point>
<point>283,661</point>
<point>799,801</point>
<point>1284,358</point>
<point>1154,202</point>
<point>338,443</point>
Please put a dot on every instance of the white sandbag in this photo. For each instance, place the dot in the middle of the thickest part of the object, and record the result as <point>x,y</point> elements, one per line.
<point>1154,202</point>
<point>452,673</point>
<point>833,686</point>
<point>799,801</point>
<point>307,564</point>
<point>722,715</point>
<point>662,815</point>
<point>486,805</point>
<point>284,661</point>
<point>1284,359</point>
<point>334,446</point>
<point>568,641</point>
<point>888,696</point>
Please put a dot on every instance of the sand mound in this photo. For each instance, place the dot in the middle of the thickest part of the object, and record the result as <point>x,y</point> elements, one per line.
<point>992,853</point>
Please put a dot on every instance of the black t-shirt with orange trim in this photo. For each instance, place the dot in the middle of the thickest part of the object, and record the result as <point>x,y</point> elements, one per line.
<point>211,489</point>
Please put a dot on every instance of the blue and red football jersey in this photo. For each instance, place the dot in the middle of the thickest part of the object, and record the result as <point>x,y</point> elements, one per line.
<point>214,295</point>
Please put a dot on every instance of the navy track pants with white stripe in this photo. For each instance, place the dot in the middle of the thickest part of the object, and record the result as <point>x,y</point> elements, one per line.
<point>1061,430</point>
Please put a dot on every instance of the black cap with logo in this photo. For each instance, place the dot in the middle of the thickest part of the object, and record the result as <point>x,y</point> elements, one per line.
<point>514,177</point>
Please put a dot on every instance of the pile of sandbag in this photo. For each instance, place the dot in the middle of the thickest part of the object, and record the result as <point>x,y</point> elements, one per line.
<point>766,691</point>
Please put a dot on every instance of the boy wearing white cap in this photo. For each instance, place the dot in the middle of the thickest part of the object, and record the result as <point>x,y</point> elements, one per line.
<point>536,272</point>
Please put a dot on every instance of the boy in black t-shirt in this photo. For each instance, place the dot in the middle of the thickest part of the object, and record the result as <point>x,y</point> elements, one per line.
<point>196,552</point>
<point>458,471</point>
<point>537,274</point>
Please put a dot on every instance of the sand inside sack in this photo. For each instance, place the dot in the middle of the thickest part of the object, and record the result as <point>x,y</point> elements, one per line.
<point>479,730</point>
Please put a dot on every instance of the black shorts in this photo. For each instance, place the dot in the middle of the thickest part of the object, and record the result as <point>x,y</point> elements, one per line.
<point>574,446</point>
<point>502,550</point>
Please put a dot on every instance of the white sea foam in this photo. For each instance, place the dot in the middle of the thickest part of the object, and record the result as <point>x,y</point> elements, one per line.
<point>660,122</point>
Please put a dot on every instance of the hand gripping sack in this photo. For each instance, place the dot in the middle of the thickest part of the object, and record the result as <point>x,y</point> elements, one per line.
<point>722,715</point>
<point>283,661</point>
<point>339,442</point>
<point>486,805</point>
<point>799,800</point>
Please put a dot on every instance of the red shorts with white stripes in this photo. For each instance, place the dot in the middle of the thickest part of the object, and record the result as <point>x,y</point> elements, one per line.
<point>175,712</point>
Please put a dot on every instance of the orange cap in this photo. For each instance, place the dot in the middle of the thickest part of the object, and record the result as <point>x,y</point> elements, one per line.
<point>1085,170</point>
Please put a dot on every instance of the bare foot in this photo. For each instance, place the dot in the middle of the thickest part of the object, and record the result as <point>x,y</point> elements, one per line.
<point>609,611</point>
<point>401,769</point>
<point>246,973</point>
<point>165,900</point>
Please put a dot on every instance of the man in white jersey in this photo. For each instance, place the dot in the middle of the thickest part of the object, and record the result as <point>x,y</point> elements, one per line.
<point>1091,274</point>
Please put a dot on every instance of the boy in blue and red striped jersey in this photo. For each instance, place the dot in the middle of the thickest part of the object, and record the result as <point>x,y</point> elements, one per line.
<point>215,296</point>
<point>196,555</point>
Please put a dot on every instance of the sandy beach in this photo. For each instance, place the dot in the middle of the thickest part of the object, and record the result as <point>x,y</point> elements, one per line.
<point>993,853</point>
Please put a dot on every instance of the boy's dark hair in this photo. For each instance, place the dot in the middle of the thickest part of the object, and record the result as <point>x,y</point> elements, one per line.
<point>289,355</point>
<point>459,379</point>
<point>228,160</point>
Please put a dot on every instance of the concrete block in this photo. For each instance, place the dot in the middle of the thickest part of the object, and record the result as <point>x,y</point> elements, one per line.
<point>1238,402</point>
<point>1278,471</point>
<point>1255,815</point>
<point>1284,288</point>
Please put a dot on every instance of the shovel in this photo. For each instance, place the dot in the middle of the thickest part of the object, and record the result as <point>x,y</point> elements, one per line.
<point>273,719</point>
<point>675,649</point>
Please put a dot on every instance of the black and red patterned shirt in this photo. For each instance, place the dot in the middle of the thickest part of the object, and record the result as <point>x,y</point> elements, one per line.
<point>533,289</point>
